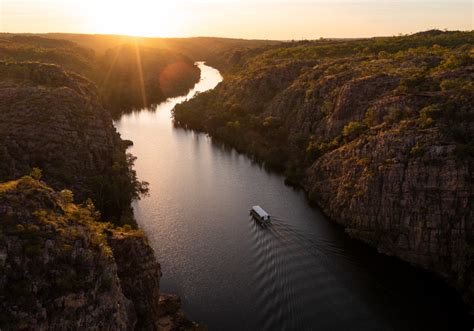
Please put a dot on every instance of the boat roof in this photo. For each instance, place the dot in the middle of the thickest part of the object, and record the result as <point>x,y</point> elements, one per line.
<point>259,210</point>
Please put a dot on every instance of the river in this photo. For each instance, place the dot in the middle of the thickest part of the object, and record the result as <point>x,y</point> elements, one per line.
<point>302,273</point>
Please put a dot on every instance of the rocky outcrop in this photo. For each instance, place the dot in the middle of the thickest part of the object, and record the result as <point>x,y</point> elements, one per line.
<point>405,193</point>
<point>53,120</point>
<point>62,269</point>
<point>57,270</point>
<point>139,275</point>
<point>172,317</point>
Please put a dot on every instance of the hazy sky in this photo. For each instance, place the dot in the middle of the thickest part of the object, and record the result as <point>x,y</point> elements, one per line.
<point>269,19</point>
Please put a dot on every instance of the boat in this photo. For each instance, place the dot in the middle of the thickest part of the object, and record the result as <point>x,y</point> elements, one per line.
<point>260,215</point>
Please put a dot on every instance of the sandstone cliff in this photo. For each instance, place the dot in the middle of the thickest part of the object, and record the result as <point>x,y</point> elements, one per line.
<point>57,271</point>
<point>53,120</point>
<point>380,133</point>
<point>62,269</point>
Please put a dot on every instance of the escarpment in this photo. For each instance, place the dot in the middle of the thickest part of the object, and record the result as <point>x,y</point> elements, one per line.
<point>379,132</point>
<point>57,270</point>
<point>53,120</point>
<point>63,268</point>
<point>139,275</point>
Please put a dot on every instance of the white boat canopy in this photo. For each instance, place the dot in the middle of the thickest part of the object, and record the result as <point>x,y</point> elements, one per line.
<point>260,212</point>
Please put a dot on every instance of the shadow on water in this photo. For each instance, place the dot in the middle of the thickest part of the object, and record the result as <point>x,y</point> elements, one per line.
<point>295,271</point>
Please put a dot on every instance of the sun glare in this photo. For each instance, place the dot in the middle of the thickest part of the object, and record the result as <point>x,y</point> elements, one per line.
<point>136,18</point>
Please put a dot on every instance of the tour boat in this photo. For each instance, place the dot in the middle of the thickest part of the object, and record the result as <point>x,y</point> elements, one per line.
<point>260,215</point>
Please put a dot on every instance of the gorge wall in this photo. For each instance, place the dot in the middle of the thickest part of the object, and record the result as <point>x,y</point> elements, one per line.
<point>62,267</point>
<point>379,132</point>
<point>53,120</point>
<point>69,255</point>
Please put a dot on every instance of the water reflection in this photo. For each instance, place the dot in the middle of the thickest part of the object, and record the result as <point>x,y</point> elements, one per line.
<point>302,273</point>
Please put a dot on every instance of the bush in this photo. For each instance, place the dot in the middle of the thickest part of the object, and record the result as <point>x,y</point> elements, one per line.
<point>416,150</point>
<point>429,114</point>
<point>313,151</point>
<point>353,130</point>
<point>394,115</point>
<point>457,60</point>
<point>66,197</point>
<point>452,84</point>
<point>36,173</point>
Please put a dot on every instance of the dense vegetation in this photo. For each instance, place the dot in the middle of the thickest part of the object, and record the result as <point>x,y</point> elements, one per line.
<point>379,132</point>
<point>215,51</point>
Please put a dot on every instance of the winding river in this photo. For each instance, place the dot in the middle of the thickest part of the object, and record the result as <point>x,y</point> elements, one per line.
<point>302,273</point>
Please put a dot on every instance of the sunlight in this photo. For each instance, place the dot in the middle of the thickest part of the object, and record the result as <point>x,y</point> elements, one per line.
<point>136,18</point>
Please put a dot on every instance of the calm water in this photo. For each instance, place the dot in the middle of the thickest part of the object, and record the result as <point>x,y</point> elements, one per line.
<point>301,273</point>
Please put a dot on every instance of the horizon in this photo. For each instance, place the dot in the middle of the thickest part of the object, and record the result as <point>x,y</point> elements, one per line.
<point>261,20</point>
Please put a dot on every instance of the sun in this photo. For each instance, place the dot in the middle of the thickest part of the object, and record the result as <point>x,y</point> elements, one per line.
<point>136,18</point>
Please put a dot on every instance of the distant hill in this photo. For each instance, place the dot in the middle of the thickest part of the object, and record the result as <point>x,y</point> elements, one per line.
<point>128,76</point>
<point>197,48</point>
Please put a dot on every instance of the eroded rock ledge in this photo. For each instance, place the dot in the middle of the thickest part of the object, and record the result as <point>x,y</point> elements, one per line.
<point>61,268</point>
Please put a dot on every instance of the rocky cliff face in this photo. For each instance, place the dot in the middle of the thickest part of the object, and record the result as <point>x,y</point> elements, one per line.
<point>57,271</point>
<point>53,120</point>
<point>139,275</point>
<point>378,132</point>
<point>416,207</point>
<point>63,269</point>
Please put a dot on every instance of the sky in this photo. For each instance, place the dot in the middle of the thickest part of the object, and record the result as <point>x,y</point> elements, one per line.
<point>256,19</point>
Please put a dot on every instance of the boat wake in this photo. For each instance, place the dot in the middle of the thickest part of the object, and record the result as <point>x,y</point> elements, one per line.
<point>292,272</point>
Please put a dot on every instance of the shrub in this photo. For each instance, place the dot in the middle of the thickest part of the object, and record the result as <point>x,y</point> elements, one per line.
<point>416,150</point>
<point>452,84</point>
<point>66,197</point>
<point>19,228</point>
<point>429,114</point>
<point>32,228</point>
<point>353,130</point>
<point>369,117</point>
<point>394,115</point>
<point>271,122</point>
<point>36,173</point>
<point>457,60</point>
<point>313,151</point>
<point>67,248</point>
